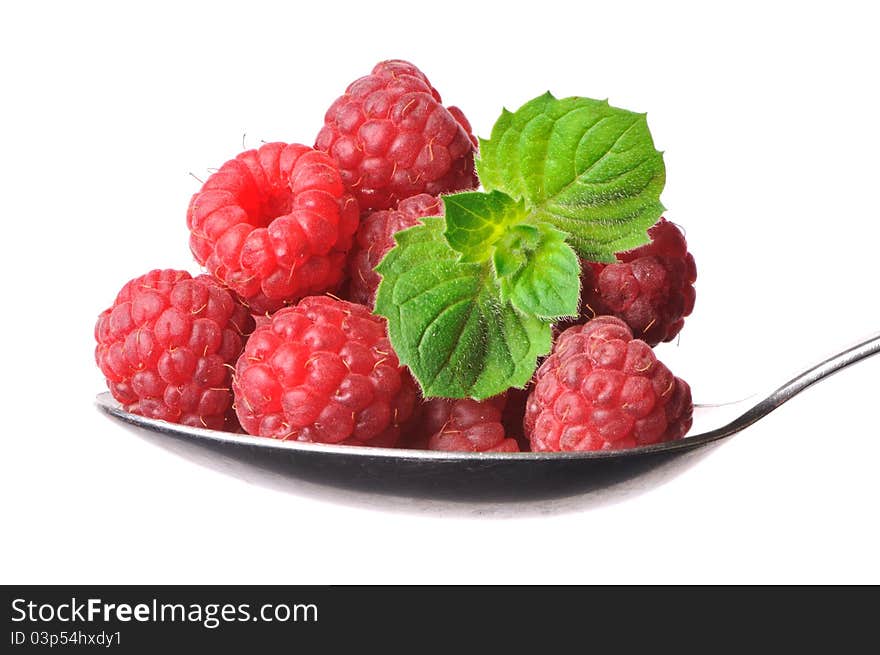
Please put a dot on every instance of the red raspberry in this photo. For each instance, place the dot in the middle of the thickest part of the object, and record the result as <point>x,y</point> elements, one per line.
<point>652,288</point>
<point>274,225</point>
<point>323,371</point>
<point>465,425</point>
<point>393,138</point>
<point>600,389</point>
<point>375,237</point>
<point>167,346</point>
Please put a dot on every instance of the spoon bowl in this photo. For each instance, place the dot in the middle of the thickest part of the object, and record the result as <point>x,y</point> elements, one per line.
<point>499,476</point>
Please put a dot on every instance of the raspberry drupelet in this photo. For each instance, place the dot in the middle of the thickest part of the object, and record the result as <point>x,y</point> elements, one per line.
<point>393,138</point>
<point>651,288</point>
<point>323,371</point>
<point>274,224</point>
<point>167,346</point>
<point>600,389</point>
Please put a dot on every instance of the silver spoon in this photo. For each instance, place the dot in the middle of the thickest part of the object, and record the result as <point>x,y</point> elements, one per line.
<point>500,476</point>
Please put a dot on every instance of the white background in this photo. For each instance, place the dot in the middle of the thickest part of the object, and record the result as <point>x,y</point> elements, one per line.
<point>767,114</point>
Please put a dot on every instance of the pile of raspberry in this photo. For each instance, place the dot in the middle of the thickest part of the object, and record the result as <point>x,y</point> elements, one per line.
<point>278,338</point>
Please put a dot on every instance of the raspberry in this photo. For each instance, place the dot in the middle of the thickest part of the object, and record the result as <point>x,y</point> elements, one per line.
<point>462,425</point>
<point>393,138</point>
<point>323,371</point>
<point>166,347</point>
<point>274,225</point>
<point>375,237</point>
<point>651,288</point>
<point>600,389</point>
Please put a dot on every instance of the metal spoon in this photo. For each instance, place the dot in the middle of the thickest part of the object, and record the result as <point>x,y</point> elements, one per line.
<point>500,476</point>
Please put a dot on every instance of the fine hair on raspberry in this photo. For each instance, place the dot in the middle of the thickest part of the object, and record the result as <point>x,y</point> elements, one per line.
<point>274,224</point>
<point>393,138</point>
<point>324,371</point>
<point>167,346</point>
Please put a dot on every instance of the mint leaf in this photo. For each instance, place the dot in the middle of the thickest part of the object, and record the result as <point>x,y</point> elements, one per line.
<point>448,322</point>
<point>548,284</point>
<point>475,221</point>
<point>586,167</point>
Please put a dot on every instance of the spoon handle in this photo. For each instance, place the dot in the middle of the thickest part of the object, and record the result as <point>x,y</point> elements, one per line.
<point>838,362</point>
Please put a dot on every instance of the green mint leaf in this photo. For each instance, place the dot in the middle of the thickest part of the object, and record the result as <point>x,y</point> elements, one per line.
<point>447,321</point>
<point>511,251</point>
<point>538,272</point>
<point>476,221</point>
<point>547,284</point>
<point>582,165</point>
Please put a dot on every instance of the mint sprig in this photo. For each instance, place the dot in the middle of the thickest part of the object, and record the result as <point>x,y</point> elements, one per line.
<point>537,271</point>
<point>544,278</point>
<point>476,221</point>
<point>448,322</point>
<point>470,298</point>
